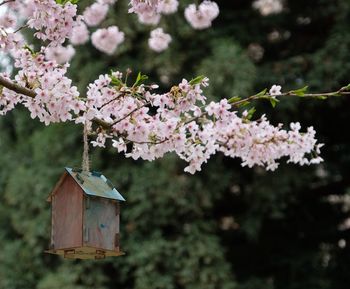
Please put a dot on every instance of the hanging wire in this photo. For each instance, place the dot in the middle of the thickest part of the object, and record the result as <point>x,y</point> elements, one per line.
<point>86,161</point>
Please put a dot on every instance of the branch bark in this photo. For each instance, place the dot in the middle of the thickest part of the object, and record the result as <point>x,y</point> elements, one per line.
<point>16,88</point>
<point>31,93</point>
<point>105,125</point>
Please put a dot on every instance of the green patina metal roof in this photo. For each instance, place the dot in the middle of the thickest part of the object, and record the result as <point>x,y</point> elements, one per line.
<point>95,184</point>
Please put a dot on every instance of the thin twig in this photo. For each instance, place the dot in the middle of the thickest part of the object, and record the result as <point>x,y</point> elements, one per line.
<point>146,142</point>
<point>20,28</point>
<point>129,114</point>
<point>114,99</point>
<point>5,2</point>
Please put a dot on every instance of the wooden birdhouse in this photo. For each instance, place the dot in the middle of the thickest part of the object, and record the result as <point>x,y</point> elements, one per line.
<point>85,216</point>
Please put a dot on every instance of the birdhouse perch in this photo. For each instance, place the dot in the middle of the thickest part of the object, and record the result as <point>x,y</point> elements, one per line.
<point>85,216</point>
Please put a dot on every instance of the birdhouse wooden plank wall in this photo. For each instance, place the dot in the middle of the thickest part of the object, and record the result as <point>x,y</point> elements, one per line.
<point>67,217</point>
<point>107,234</point>
<point>85,216</point>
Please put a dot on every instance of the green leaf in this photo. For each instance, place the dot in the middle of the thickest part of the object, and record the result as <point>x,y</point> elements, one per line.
<point>234,99</point>
<point>63,2</point>
<point>347,87</point>
<point>140,79</point>
<point>261,93</point>
<point>116,81</point>
<point>273,101</point>
<point>301,91</point>
<point>244,103</point>
<point>197,80</point>
<point>251,113</point>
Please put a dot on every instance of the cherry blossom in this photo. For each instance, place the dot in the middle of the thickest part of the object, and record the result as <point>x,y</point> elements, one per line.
<point>107,39</point>
<point>54,98</point>
<point>80,34</point>
<point>8,20</point>
<point>186,125</point>
<point>144,6</point>
<point>267,7</point>
<point>150,19</point>
<point>168,6</point>
<point>135,119</point>
<point>53,22</point>
<point>10,41</point>
<point>95,14</point>
<point>275,90</point>
<point>159,40</point>
<point>201,17</point>
<point>61,54</point>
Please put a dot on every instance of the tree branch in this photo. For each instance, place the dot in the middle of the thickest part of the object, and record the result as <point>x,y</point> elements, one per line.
<point>16,88</point>
<point>6,1</point>
<point>30,93</point>
<point>129,114</point>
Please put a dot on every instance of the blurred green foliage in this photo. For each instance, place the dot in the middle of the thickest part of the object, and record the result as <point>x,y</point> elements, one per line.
<point>227,226</point>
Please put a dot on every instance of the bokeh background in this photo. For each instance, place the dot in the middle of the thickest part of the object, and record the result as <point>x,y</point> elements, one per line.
<point>227,226</point>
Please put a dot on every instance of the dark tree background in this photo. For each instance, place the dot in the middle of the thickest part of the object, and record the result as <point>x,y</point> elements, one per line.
<point>226,227</point>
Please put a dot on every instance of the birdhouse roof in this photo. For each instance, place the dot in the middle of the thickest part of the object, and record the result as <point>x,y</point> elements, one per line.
<point>93,184</point>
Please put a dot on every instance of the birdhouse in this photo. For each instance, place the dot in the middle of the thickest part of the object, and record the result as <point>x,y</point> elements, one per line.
<point>85,216</point>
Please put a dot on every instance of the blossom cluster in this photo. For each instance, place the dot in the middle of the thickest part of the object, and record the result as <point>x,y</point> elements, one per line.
<point>181,121</point>
<point>144,7</point>
<point>168,6</point>
<point>202,16</point>
<point>60,54</point>
<point>267,7</point>
<point>150,11</point>
<point>107,39</point>
<point>56,21</point>
<point>95,14</point>
<point>159,40</point>
<point>55,99</point>
<point>136,120</point>
<point>53,22</point>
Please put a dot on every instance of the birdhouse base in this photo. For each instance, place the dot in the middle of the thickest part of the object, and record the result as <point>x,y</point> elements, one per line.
<point>85,253</point>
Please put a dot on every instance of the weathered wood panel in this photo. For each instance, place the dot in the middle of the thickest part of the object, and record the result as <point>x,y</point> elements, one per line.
<point>67,215</point>
<point>101,223</point>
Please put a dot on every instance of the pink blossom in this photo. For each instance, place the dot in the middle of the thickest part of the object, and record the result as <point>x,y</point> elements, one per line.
<point>56,99</point>
<point>107,39</point>
<point>159,41</point>
<point>179,125</point>
<point>168,6</point>
<point>144,6</point>
<point>275,90</point>
<point>95,14</point>
<point>201,17</point>
<point>53,22</point>
<point>61,54</point>
<point>150,19</point>
<point>8,20</point>
<point>80,34</point>
<point>140,123</point>
<point>10,41</point>
<point>267,7</point>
